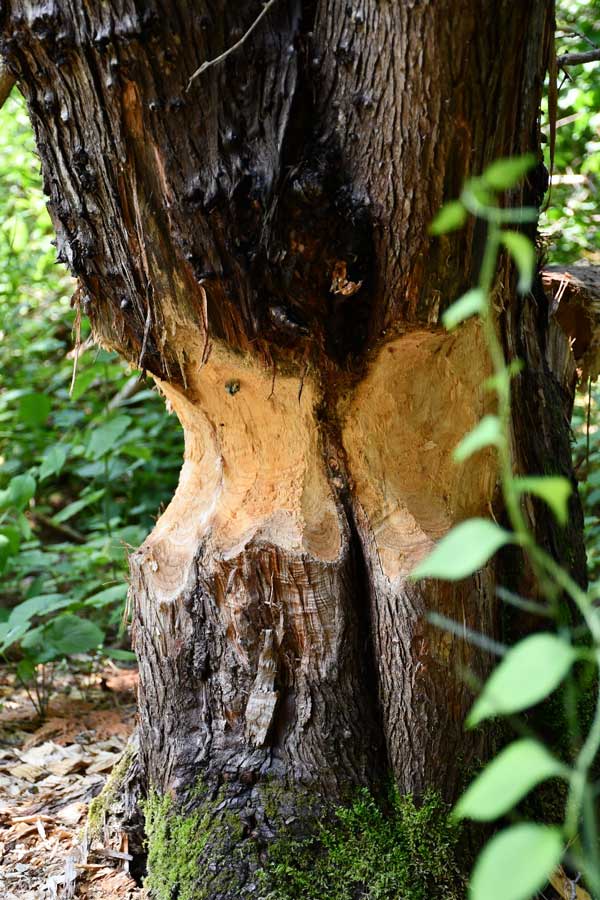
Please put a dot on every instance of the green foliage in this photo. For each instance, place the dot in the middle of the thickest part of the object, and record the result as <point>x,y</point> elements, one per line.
<point>464,550</point>
<point>507,779</point>
<point>81,477</point>
<point>552,489</point>
<point>586,453</point>
<point>529,672</point>
<point>468,305</point>
<point>519,860</point>
<point>523,254</point>
<point>487,433</point>
<point>516,862</point>
<point>402,852</point>
<point>451,216</point>
<point>571,222</point>
<point>505,173</point>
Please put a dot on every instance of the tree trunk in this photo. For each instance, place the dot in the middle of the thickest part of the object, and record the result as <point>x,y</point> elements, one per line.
<point>257,241</point>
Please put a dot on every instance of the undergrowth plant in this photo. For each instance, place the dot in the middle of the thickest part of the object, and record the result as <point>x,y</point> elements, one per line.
<point>83,471</point>
<point>521,857</point>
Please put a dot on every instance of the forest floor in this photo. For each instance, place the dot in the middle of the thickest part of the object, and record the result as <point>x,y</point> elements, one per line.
<point>49,772</point>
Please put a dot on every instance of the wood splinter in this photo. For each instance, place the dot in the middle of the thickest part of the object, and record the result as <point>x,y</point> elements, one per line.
<point>262,701</point>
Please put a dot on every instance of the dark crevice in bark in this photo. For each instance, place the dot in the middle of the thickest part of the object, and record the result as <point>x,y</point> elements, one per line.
<point>320,259</point>
<point>364,598</point>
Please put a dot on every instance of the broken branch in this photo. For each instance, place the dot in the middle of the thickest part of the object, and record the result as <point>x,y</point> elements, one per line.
<point>577,59</point>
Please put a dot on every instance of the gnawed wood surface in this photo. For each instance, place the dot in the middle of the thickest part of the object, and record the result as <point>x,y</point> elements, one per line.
<point>259,244</point>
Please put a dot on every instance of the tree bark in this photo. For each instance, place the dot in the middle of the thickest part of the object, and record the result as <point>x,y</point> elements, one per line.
<point>257,241</point>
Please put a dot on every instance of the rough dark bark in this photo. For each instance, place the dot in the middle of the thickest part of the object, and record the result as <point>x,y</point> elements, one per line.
<point>258,243</point>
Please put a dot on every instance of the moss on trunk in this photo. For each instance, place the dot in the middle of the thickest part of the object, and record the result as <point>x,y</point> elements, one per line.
<point>103,805</point>
<point>390,850</point>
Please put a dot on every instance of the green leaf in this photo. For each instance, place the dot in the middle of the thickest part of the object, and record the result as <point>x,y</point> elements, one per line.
<point>523,253</point>
<point>11,633</point>
<point>19,492</point>
<point>507,779</point>
<point>10,540</point>
<point>24,526</point>
<point>104,437</point>
<point>35,645</point>
<point>82,382</point>
<point>479,191</point>
<point>13,536</point>
<point>470,304</point>
<point>16,228</point>
<point>109,595</point>
<point>530,671</point>
<point>119,655</point>
<point>73,508</point>
<point>488,433</point>
<point>53,461</point>
<point>516,863</point>
<point>5,553</point>
<point>552,489</point>
<point>40,605</point>
<point>507,172</point>
<point>34,409</point>
<point>69,634</point>
<point>26,669</point>
<point>503,378</point>
<point>451,216</point>
<point>464,550</point>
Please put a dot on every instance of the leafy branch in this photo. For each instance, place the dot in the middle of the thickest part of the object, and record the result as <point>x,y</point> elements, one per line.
<point>520,858</point>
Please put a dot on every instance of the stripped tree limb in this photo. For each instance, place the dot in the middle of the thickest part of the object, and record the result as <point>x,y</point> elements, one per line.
<point>7,80</point>
<point>577,59</point>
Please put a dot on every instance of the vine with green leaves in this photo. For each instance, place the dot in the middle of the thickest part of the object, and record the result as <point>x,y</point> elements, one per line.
<point>519,859</point>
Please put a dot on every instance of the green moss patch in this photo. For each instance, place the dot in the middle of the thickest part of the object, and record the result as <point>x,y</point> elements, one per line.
<point>403,852</point>
<point>397,850</point>
<point>174,846</point>
<point>102,804</point>
<point>195,854</point>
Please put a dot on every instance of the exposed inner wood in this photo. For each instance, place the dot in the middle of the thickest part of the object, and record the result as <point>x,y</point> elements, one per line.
<point>257,482</point>
<point>247,585</point>
<point>253,469</point>
<point>399,435</point>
